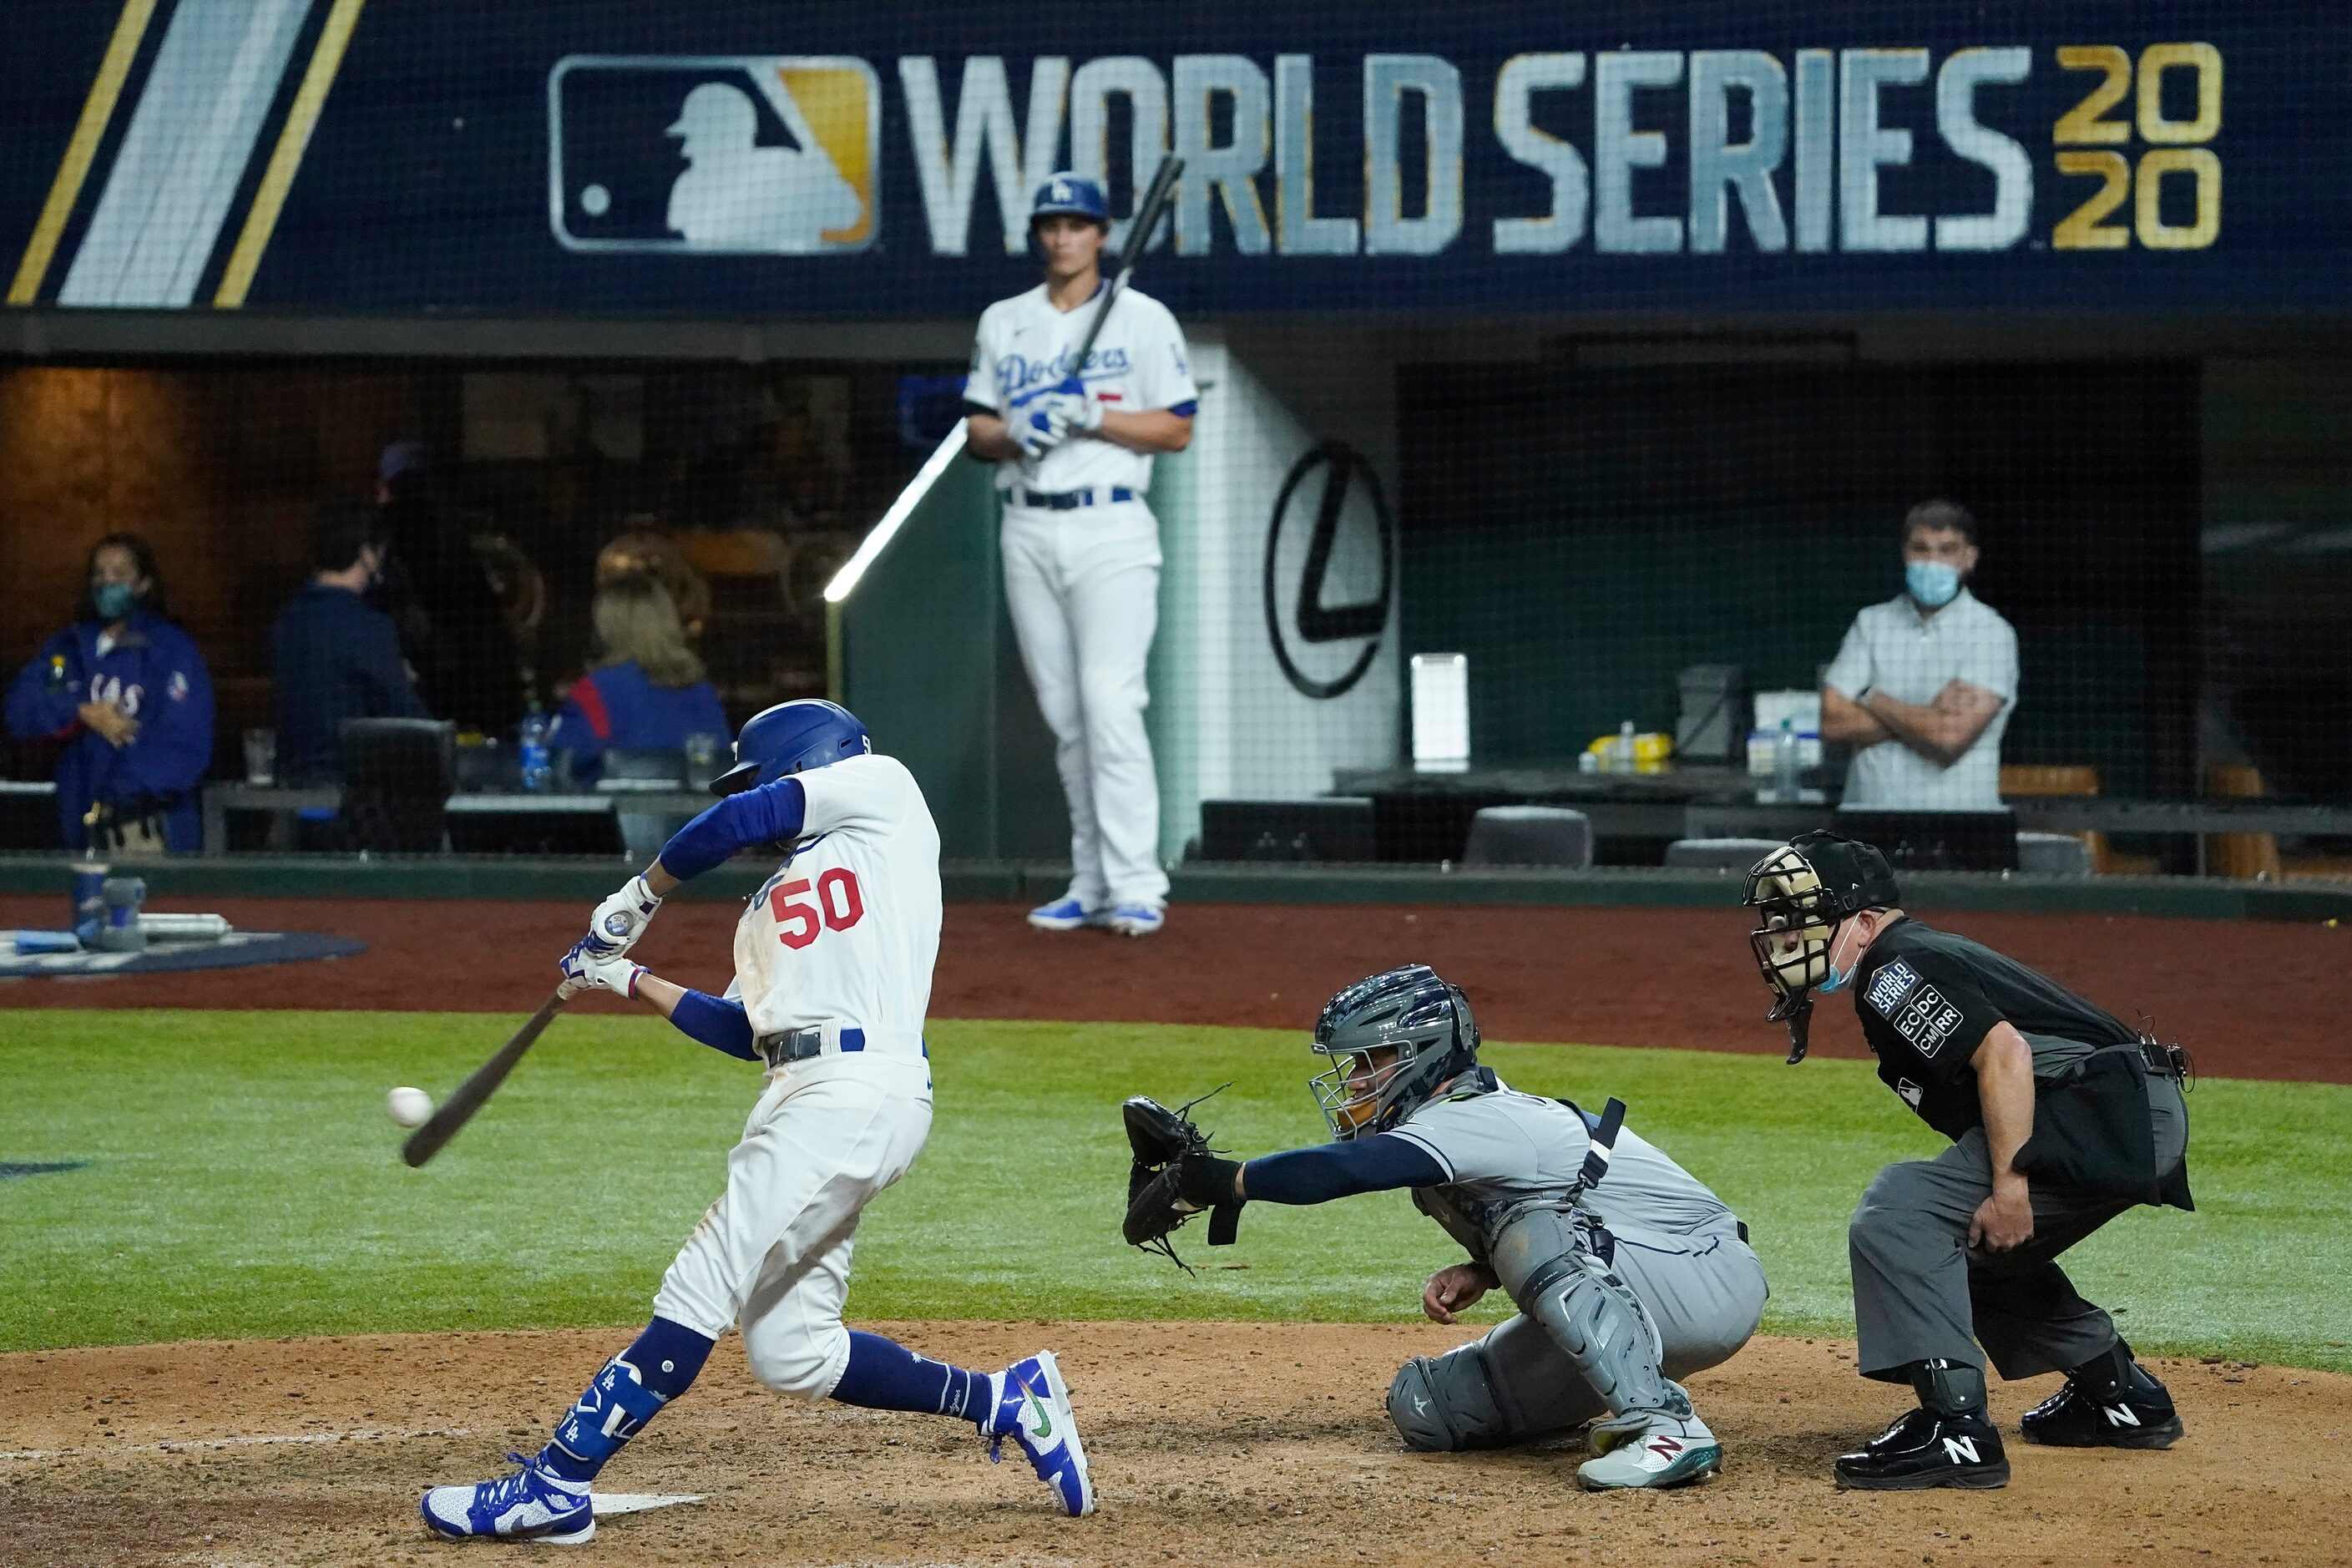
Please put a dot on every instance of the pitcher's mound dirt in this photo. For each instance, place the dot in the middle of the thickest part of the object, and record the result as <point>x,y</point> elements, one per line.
<point>1212,1444</point>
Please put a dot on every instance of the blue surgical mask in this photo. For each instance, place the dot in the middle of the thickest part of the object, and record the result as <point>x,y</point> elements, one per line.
<point>113,601</point>
<point>1933,584</point>
<point>1837,980</point>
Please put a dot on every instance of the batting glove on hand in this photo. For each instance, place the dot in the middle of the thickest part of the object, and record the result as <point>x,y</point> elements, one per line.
<point>1072,409</point>
<point>585,971</point>
<point>620,919</point>
<point>1033,429</point>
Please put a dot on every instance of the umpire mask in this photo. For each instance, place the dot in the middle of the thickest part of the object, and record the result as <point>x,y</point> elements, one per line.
<point>1802,892</point>
<point>1392,1038</point>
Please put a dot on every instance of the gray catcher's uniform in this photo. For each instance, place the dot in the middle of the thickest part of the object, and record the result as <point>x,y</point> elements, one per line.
<point>1516,1198</point>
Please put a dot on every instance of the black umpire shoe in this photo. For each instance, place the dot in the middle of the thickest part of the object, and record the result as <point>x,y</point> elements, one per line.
<point>2142,1416</point>
<point>1926,1449</point>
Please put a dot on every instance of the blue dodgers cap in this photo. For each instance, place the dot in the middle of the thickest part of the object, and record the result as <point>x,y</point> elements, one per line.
<point>401,457</point>
<point>1073,196</point>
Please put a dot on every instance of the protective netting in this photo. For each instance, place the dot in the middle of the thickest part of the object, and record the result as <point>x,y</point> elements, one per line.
<point>1564,380</point>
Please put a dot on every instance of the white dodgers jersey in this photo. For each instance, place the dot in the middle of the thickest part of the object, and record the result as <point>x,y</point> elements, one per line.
<point>1137,364</point>
<point>846,933</point>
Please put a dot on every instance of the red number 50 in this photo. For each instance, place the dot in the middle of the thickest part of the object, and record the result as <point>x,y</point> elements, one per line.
<point>837,905</point>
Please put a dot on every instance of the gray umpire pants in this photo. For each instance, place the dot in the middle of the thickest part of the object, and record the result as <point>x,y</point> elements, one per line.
<point>1920,1293</point>
<point>1705,1293</point>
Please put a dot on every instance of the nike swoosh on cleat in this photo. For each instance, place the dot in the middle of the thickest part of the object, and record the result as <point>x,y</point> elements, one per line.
<point>1044,1420</point>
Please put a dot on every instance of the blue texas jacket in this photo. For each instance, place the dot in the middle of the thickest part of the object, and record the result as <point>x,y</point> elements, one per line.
<point>155,675</point>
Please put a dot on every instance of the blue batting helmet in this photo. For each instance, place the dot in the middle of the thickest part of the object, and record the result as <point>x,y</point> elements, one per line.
<point>791,738</point>
<point>1071,194</point>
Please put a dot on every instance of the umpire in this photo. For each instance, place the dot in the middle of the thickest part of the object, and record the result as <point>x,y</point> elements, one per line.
<point>2061,1117</point>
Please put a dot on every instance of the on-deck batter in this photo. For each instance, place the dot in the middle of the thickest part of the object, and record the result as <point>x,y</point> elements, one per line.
<point>833,977</point>
<point>1072,446</point>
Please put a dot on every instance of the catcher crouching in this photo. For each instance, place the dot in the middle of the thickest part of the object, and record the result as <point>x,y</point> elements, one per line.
<point>1627,1273</point>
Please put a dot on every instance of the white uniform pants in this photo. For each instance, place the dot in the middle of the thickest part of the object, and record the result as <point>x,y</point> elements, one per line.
<point>773,1251</point>
<point>1082,587</point>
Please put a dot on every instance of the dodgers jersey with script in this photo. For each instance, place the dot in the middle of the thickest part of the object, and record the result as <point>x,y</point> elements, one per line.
<point>846,930</point>
<point>1500,1148</point>
<point>1138,363</point>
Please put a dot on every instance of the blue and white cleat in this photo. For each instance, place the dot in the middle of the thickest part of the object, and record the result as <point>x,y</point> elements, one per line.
<point>1062,914</point>
<point>1135,919</point>
<point>1033,1408</point>
<point>532,1504</point>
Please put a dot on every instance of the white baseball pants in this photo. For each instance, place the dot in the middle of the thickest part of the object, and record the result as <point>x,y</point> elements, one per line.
<point>1082,587</point>
<point>773,1252</point>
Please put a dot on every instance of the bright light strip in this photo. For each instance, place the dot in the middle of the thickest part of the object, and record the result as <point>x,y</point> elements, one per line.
<point>844,582</point>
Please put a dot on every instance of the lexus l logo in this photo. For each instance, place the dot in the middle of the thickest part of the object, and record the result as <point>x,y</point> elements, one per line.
<point>1363,536</point>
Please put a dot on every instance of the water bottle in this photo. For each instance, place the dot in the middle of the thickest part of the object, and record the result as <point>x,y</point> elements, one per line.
<point>535,769</point>
<point>1623,761</point>
<point>1785,785</point>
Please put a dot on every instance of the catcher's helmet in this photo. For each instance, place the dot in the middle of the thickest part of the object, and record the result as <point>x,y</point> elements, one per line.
<point>1408,1011</point>
<point>1802,891</point>
<point>791,738</point>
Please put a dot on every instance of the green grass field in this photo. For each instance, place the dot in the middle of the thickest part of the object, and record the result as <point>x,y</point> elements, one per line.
<point>242,1180</point>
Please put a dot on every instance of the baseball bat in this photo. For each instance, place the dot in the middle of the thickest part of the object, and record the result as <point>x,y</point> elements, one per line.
<point>1148,211</point>
<point>458,1109</point>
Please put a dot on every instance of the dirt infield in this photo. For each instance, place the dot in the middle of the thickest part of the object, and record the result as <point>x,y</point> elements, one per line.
<point>2253,999</point>
<point>1212,1444</point>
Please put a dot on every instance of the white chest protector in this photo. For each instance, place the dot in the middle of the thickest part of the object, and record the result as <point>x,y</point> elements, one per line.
<point>844,934</point>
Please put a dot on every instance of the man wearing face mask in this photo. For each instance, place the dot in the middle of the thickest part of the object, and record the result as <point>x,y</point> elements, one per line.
<point>2060,1115</point>
<point>334,656</point>
<point>1924,684</point>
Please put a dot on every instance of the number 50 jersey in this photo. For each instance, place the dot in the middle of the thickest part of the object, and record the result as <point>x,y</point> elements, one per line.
<point>846,933</point>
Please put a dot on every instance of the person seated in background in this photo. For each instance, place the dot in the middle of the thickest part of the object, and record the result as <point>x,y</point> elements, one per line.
<point>646,689</point>
<point>454,631</point>
<point>333,655</point>
<point>1924,684</point>
<point>126,692</point>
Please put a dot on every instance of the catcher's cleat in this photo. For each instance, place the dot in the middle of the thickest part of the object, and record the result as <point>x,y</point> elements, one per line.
<point>2142,1416</point>
<point>1062,914</point>
<point>1033,1408</point>
<point>1649,1449</point>
<point>1927,1450</point>
<point>532,1504</point>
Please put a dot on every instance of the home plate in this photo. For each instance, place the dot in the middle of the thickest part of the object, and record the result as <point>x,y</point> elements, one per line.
<point>607,1504</point>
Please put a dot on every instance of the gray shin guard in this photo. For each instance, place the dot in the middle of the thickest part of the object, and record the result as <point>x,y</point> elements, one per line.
<point>1591,1313</point>
<point>1444,1403</point>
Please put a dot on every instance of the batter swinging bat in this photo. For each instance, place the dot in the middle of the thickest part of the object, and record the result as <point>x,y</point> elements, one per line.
<point>458,1110</point>
<point>1148,211</point>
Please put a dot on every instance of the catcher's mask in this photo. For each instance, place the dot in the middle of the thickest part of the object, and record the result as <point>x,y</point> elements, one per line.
<point>1802,892</point>
<point>1392,1039</point>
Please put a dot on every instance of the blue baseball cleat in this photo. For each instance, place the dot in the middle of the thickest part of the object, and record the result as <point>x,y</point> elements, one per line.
<point>532,1504</point>
<point>1033,1408</point>
<point>1135,919</point>
<point>1063,914</point>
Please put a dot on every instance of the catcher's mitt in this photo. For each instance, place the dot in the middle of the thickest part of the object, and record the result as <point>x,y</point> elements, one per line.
<point>1175,1176</point>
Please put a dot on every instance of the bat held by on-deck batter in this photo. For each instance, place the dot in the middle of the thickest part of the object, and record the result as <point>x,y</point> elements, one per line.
<point>1150,209</point>
<point>458,1109</point>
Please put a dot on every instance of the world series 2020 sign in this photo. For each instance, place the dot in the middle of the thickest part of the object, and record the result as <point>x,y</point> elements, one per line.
<point>879,161</point>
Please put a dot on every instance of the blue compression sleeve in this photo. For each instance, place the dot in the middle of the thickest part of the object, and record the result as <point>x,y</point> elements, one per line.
<point>1328,1171</point>
<point>772,813</point>
<point>721,1024</point>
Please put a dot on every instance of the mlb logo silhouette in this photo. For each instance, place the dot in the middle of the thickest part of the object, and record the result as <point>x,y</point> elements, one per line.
<point>725,154</point>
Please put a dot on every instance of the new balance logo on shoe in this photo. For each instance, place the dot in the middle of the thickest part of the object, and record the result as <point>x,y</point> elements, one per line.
<point>1961,1450</point>
<point>2119,1415</point>
<point>1664,1447</point>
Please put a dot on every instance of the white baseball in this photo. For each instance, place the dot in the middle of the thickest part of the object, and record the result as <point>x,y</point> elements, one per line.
<point>409,1106</point>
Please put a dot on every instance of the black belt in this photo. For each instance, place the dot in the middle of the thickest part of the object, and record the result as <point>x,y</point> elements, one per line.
<point>1070,501</point>
<point>800,1045</point>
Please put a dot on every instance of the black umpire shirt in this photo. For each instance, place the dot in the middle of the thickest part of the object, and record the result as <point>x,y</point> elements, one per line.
<point>1927,998</point>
